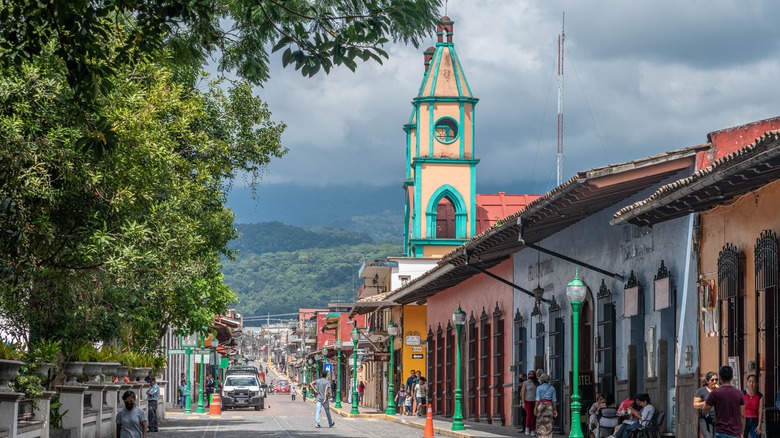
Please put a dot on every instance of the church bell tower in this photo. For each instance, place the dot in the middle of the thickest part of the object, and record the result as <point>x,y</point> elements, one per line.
<point>440,180</point>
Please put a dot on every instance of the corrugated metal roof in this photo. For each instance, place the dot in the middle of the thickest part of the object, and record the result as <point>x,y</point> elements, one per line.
<point>725,179</point>
<point>581,196</point>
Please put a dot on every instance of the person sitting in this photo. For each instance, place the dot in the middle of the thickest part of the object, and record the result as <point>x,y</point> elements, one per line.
<point>593,412</point>
<point>608,418</point>
<point>638,417</point>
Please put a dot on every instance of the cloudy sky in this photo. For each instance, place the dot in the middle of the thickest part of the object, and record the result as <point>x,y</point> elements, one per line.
<point>641,78</point>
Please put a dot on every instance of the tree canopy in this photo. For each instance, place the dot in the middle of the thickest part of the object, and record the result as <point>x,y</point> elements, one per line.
<point>97,247</point>
<point>116,151</point>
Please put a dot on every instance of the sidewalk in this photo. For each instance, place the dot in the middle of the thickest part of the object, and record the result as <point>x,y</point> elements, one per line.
<point>441,425</point>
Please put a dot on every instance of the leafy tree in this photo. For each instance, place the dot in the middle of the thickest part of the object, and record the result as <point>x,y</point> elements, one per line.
<point>121,245</point>
<point>314,35</point>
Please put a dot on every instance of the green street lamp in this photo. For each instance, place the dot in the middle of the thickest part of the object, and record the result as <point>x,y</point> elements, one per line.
<point>392,330</point>
<point>459,318</point>
<point>311,362</point>
<point>355,336</point>
<point>338,373</point>
<point>576,291</point>
<point>201,408</point>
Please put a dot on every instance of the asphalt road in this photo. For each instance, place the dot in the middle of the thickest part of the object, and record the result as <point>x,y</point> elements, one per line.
<point>281,418</point>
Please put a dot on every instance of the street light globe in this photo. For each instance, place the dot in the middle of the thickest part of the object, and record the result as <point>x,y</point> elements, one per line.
<point>324,351</point>
<point>576,289</point>
<point>459,316</point>
<point>392,329</point>
<point>338,344</point>
<point>354,335</point>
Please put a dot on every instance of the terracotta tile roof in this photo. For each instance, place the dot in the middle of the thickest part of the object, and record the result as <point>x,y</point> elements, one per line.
<point>726,178</point>
<point>586,193</point>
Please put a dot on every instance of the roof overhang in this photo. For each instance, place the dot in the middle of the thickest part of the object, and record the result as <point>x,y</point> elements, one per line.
<point>724,180</point>
<point>583,195</point>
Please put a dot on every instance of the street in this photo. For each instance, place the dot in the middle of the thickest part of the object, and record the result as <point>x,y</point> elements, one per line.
<point>282,417</point>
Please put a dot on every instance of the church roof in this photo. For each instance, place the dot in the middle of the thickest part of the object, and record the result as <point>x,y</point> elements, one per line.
<point>444,76</point>
<point>495,206</point>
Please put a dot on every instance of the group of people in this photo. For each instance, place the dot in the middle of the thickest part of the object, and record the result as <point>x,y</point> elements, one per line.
<point>539,403</point>
<point>727,412</point>
<point>412,397</point>
<point>632,414</point>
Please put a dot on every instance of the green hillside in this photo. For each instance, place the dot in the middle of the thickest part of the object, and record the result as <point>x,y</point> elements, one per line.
<point>281,268</point>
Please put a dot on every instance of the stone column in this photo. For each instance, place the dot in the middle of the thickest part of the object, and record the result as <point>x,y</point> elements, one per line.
<point>72,399</point>
<point>42,411</point>
<point>98,391</point>
<point>161,403</point>
<point>9,410</point>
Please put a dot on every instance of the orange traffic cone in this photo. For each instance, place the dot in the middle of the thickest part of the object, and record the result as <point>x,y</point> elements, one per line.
<point>215,407</point>
<point>428,433</point>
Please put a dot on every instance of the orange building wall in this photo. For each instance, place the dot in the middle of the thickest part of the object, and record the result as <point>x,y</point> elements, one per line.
<point>740,224</point>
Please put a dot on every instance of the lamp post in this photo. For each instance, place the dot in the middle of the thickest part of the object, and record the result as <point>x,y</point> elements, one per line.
<point>201,408</point>
<point>189,343</point>
<point>459,318</point>
<point>338,373</point>
<point>392,330</point>
<point>355,336</point>
<point>576,291</point>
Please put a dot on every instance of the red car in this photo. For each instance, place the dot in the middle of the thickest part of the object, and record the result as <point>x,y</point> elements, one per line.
<point>282,386</point>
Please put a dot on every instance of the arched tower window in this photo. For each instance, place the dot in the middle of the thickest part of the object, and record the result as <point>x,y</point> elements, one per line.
<point>445,219</point>
<point>446,214</point>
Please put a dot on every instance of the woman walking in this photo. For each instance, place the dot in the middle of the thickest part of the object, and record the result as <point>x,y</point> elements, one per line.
<point>545,409</point>
<point>754,408</point>
<point>528,395</point>
<point>706,425</point>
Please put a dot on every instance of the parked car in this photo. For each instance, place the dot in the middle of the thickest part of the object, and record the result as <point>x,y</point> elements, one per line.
<point>243,390</point>
<point>282,387</point>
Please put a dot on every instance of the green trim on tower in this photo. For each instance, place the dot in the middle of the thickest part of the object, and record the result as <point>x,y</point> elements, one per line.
<point>431,129</point>
<point>461,215</point>
<point>420,243</point>
<point>473,201</point>
<point>417,200</point>
<point>473,100</point>
<point>471,161</point>
<point>417,130</point>
<point>407,211</point>
<point>462,153</point>
<point>458,66</point>
<point>437,64</point>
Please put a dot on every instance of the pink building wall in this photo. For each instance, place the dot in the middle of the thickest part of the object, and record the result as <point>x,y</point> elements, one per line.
<point>473,295</point>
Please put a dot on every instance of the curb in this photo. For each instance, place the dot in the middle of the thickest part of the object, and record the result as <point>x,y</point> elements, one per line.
<point>399,420</point>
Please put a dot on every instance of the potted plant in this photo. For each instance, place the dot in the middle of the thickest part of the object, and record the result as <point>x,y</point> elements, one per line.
<point>78,356</point>
<point>159,362</point>
<point>42,355</point>
<point>10,363</point>
<point>109,358</point>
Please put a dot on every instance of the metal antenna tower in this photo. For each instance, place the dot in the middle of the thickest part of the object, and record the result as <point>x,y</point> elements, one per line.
<point>561,41</point>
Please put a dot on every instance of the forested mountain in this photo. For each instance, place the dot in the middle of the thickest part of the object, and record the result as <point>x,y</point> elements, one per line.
<point>281,268</point>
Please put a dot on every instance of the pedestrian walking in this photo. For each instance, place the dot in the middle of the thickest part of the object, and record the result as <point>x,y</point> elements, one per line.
<point>400,400</point>
<point>521,378</point>
<point>333,390</point>
<point>361,391</point>
<point>184,391</point>
<point>545,407</point>
<point>130,421</point>
<point>706,422</point>
<point>754,408</point>
<point>209,389</point>
<point>152,396</point>
<point>421,395</point>
<point>729,404</point>
<point>304,391</point>
<point>321,388</point>
<point>528,395</point>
